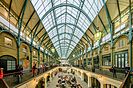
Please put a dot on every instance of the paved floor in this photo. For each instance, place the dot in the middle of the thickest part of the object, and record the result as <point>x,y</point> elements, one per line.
<point>54,81</point>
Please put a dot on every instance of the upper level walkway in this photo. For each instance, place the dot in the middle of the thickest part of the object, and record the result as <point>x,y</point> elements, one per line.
<point>99,78</point>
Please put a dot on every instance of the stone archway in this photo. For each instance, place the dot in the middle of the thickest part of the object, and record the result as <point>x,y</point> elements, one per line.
<point>85,77</point>
<point>95,83</point>
<point>8,63</point>
<point>109,86</point>
<point>25,56</point>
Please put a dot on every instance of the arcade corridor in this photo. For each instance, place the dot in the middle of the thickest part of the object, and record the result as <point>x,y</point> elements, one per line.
<point>91,38</point>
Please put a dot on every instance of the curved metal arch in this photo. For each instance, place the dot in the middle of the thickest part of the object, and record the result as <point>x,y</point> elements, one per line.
<point>118,38</point>
<point>51,44</point>
<point>72,17</point>
<point>69,48</point>
<point>63,43</point>
<point>65,24</point>
<point>66,43</point>
<point>67,33</point>
<point>66,48</point>
<point>48,42</point>
<point>8,32</point>
<point>63,46</point>
<point>69,5</point>
<point>11,34</point>
<point>65,39</point>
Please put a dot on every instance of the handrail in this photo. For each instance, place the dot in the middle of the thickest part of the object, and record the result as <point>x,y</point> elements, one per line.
<point>8,74</point>
<point>94,71</point>
<point>125,80</point>
<point>15,76</point>
<point>33,78</point>
<point>3,84</point>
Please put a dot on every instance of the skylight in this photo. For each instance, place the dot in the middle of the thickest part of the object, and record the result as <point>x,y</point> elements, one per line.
<point>66,20</point>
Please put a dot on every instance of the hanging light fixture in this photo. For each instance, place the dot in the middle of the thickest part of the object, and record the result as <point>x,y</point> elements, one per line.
<point>98,36</point>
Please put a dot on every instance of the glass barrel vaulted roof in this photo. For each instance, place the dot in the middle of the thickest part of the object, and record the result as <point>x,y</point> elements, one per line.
<point>66,20</point>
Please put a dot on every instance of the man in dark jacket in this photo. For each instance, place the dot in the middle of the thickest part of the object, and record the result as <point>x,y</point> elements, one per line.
<point>114,72</point>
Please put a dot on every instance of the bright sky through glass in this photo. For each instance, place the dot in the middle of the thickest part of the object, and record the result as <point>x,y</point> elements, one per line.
<point>66,20</point>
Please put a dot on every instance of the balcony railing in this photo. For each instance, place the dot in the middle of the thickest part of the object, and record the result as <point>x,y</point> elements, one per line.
<point>126,82</point>
<point>107,73</point>
<point>3,84</point>
<point>13,79</point>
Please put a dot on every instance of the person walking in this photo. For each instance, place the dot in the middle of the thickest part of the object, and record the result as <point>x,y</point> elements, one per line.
<point>34,70</point>
<point>126,72</point>
<point>19,73</point>
<point>114,72</point>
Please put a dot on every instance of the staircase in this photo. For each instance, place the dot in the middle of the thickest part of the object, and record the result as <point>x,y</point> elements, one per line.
<point>127,82</point>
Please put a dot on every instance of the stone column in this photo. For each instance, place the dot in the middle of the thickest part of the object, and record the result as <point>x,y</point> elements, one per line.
<point>102,85</point>
<point>45,82</point>
<point>76,73</point>
<point>108,86</point>
<point>50,77</point>
<point>82,76</point>
<point>112,86</point>
<point>89,82</point>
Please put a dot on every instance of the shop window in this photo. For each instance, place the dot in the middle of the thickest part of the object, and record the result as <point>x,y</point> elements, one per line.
<point>89,61</point>
<point>106,60</point>
<point>24,49</point>
<point>10,65</point>
<point>8,42</point>
<point>34,53</point>
<point>96,62</point>
<point>121,59</point>
<point>121,43</point>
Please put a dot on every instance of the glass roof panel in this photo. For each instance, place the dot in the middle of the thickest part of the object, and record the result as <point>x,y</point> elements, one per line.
<point>68,30</point>
<point>61,36</point>
<point>34,2</point>
<point>66,18</point>
<point>38,4</point>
